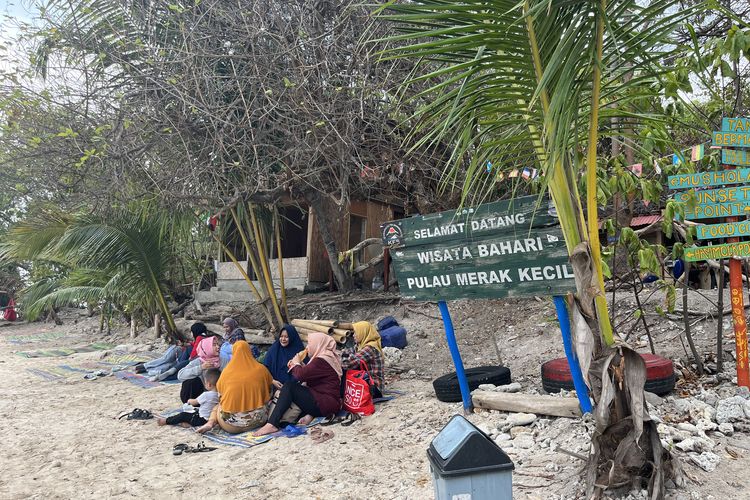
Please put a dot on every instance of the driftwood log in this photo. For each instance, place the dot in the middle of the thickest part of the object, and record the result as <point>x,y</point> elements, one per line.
<point>529,403</point>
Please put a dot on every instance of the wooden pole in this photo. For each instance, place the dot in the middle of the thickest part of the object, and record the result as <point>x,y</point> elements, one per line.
<point>386,265</point>
<point>281,261</point>
<point>720,323</point>
<point>738,315</point>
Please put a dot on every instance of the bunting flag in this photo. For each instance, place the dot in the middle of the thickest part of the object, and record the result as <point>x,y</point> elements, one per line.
<point>500,176</point>
<point>677,159</point>
<point>211,222</point>
<point>637,169</point>
<point>526,173</point>
<point>513,173</point>
<point>646,203</point>
<point>489,166</point>
<point>657,168</point>
<point>533,174</point>
<point>697,152</point>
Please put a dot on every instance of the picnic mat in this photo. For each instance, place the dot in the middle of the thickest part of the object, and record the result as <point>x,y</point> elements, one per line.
<point>128,359</point>
<point>141,381</point>
<point>246,439</point>
<point>66,351</point>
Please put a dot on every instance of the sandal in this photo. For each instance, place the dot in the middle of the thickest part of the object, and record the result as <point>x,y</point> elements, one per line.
<point>137,414</point>
<point>179,448</point>
<point>200,448</point>
<point>336,419</point>
<point>351,418</point>
<point>319,435</point>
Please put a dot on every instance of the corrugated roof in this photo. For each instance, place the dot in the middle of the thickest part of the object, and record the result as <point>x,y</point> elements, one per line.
<point>644,220</point>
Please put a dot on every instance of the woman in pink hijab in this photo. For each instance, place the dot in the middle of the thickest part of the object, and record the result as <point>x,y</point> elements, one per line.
<point>321,394</point>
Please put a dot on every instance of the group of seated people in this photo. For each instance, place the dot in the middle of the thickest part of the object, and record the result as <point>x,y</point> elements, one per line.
<point>222,377</point>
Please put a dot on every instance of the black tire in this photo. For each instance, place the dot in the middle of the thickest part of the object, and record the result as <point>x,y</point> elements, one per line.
<point>448,391</point>
<point>659,386</point>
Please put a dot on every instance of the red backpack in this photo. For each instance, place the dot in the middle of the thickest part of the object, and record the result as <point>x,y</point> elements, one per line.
<point>357,395</point>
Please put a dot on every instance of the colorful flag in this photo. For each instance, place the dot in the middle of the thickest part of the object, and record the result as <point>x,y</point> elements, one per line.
<point>526,173</point>
<point>637,169</point>
<point>677,159</point>
<point>657,168</point>
<point>513,173</point>
<point>646,203</point>
<point>533,173</point>
<point>500,176</point>
<point>697,152</point>
<point>489,166</point>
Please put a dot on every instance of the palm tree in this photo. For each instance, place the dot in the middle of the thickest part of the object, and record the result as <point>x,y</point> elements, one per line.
<point>123,257</point>
<point>526,82</point>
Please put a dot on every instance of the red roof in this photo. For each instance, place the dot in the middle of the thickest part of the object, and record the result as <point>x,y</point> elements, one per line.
<point>644,220</point>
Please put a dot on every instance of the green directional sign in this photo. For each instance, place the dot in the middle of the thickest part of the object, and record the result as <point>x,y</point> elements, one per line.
<point>724,230</point>
<point>704,179</point>
<point>735,157</point>
<point>524,212</point>
<point>714,196</point>
<point>731,139</point>
<point>730,209</point>
<point>735,125</point>
<point>739,249</point>
<point>466,255</point>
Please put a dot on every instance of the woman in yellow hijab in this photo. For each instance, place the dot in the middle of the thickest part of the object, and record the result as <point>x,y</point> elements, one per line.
<point>244,393</point>
<point>368,352</point>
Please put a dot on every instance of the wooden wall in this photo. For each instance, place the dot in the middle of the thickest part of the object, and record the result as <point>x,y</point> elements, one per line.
<point>373,212</point>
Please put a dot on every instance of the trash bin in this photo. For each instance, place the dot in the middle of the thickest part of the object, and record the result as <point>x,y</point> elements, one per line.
<point>467,465</point>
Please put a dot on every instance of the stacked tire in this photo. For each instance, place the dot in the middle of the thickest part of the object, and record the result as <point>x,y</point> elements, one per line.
<point>660,376</point>
<point>448,390</point>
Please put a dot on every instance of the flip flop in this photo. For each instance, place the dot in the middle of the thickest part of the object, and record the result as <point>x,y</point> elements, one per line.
<point>179,448</point>
<point>336,419</point>
<point>200,448</point>
<point>137,414</point>
<point>352,417</point>
<point>321,435</point>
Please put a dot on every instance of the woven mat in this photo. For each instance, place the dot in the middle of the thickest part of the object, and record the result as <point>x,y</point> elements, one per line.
<point>246,439</point>
<point>66,351</point>
<point>142,381</point>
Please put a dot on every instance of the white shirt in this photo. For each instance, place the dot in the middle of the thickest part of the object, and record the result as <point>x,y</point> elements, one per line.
<point>207,401</point>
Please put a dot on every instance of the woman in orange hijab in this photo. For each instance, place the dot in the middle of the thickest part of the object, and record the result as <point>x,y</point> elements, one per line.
<point>321,395</point>
<point>244,393</point>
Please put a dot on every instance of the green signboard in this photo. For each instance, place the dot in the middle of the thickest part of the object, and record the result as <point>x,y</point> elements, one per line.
<point>715,252</point>
<point>730,209</point>
<point>713,196</point>
<point>731,139</point>
<point>464,254</point>
<point>469,222</point>
<point>735,157</point>
<point>724,230</point>
<point>735,125</point>
<point>720,178</point>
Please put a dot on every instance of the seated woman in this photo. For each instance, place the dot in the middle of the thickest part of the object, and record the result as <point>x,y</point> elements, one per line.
<point>320,396</point>
<point>175,358</point>
<point>244,393</point>
<point>233,333</point>
<point>191,375</point>
<point>281,353</point>
<point>369,351</point>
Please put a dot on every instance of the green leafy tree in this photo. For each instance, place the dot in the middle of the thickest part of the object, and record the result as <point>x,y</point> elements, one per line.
<point>531,82</point>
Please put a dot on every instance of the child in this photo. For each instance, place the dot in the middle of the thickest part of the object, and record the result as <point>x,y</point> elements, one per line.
<point>205,403</point>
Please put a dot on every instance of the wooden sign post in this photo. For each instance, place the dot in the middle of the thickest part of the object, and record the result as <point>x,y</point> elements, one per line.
<point>731,202</point>
<point>502,249</point>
